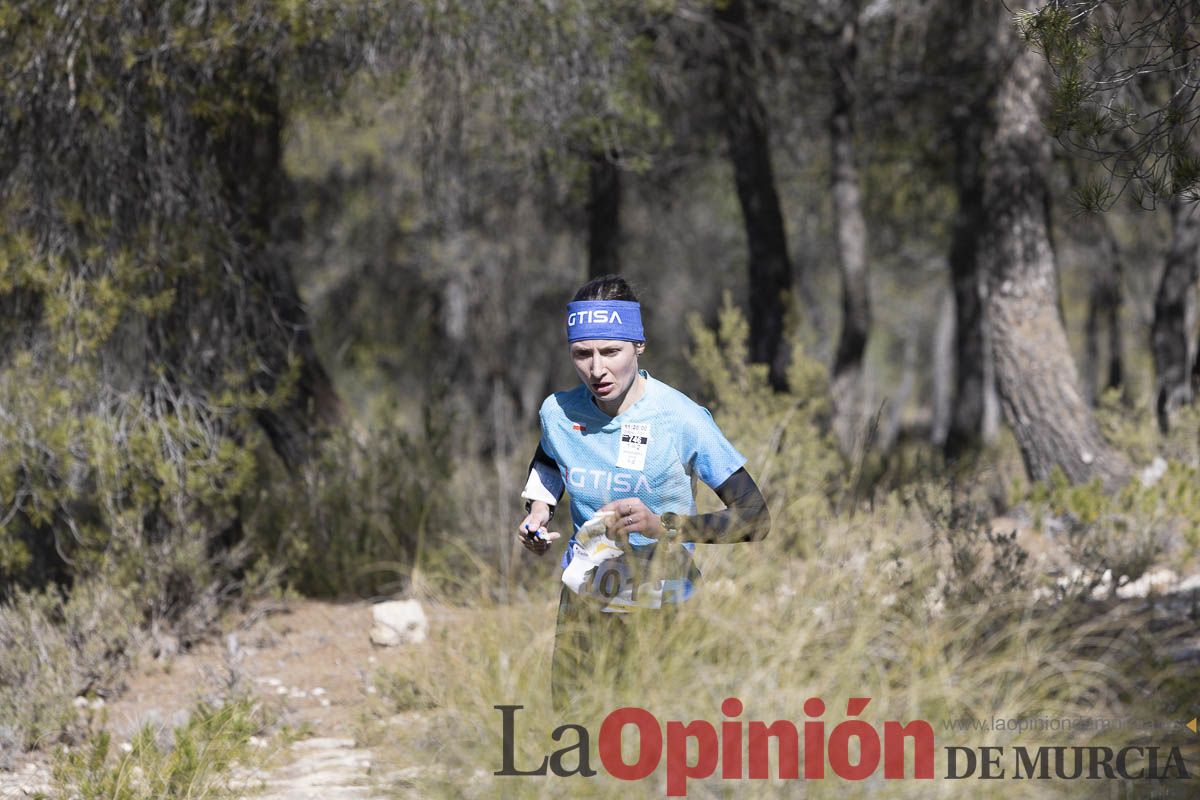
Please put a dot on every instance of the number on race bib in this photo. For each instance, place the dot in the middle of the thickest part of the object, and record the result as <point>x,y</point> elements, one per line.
<point>609,583</point>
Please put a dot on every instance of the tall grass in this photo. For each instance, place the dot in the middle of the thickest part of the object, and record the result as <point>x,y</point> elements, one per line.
<point>904,599</point>
<point>861,616</point>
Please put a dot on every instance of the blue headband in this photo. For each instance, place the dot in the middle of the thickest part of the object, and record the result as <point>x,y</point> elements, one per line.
<point>604,319</point>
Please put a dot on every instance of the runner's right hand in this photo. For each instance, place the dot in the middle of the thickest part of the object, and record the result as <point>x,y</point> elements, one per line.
<point>532,531</point>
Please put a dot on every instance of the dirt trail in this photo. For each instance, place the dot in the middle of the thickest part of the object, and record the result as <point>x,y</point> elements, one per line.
<point>311,661</point>
<point>324,768</point>
<point>312,665</point>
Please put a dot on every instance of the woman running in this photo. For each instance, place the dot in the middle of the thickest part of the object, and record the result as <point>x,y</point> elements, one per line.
<point>627,446</point>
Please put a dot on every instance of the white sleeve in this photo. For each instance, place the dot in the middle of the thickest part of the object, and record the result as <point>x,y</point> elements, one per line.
<point>544,484</point>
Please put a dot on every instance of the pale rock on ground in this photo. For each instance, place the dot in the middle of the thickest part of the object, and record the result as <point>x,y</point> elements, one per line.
<point>398,622</point>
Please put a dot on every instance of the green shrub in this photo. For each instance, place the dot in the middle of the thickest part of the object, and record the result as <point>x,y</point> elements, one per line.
<point>54,648</point>
<point>979,563</point>
<point>785,435</point>
<point>1111,538</point>
<point>195,764</point>
<point>1134,429</point>
<point>357,520</point>
<point>1120,533</point>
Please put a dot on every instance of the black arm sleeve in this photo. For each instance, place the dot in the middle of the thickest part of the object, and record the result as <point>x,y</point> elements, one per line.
<point>542,457</point>
<point>744,519</point>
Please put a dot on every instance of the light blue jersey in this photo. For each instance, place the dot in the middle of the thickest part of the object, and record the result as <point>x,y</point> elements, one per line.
<point>668,439</point>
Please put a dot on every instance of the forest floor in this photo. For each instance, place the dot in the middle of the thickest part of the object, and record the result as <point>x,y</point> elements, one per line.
<point>335,728</point>
<point>316,674</point>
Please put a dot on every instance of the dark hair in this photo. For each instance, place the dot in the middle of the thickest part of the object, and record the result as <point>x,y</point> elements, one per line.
<point>606,287</point>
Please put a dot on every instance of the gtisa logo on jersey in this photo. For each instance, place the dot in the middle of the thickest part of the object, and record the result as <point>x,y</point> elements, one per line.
<point>582,478</point>
<point>596,315</point>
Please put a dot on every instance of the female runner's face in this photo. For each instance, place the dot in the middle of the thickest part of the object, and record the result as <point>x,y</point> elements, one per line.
<point>608,367</point>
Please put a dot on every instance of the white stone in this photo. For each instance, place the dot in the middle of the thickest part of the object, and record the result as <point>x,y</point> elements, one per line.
<point>398,622</point>
<point>1151,474</point>
<point>1158,581</point>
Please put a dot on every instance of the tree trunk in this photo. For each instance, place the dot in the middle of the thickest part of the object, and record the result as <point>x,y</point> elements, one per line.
<point>851,230</point>
<point>970,354</point>
<point>943,371</point>
<point>604,216</point>
<point>250,153</point>
<point>1036,375</point>
<point>1169,335</point>
<point>964,47</point>
<point>1104,312</point>
<point>770,284</point>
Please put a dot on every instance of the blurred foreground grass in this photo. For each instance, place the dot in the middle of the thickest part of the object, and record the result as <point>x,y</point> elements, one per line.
<point>863,616</point>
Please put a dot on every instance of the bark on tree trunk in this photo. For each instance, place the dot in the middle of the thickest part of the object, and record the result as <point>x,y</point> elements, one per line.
<point>604,216</point>
<point>749,151</point>
<point>1169,335</point>
<point>1036,375</point>
<point>846,388</point>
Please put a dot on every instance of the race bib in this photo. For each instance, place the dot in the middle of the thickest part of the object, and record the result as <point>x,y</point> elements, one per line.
<point>602,572</point>
<point>635,438</point>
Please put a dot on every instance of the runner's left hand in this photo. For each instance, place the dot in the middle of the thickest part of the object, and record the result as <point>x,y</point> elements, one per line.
<point>632,515</point>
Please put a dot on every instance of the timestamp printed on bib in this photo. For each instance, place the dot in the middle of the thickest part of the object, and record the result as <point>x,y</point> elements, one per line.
<point>635,438</point>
